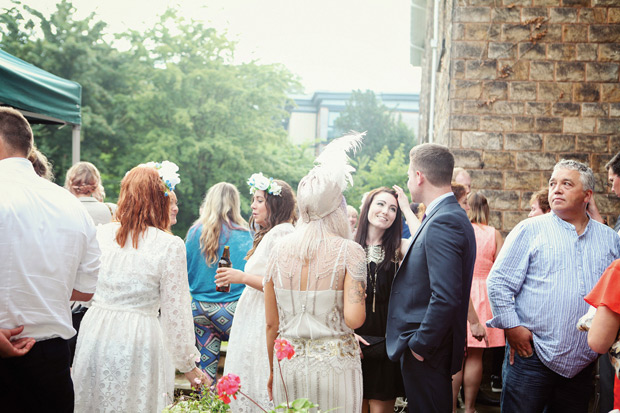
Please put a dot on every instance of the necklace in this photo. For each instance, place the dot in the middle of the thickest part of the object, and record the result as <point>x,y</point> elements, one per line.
<point>376,255</point>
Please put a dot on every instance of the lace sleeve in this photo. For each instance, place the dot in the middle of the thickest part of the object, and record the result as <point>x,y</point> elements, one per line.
<point>356,262</point>
<point>271,266</point>
<point>176,314</point>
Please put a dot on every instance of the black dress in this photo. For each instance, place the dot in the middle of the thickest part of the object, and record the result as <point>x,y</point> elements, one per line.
<point>382,377</point>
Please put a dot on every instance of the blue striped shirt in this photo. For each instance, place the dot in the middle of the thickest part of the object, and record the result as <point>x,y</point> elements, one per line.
<point>539,280</point>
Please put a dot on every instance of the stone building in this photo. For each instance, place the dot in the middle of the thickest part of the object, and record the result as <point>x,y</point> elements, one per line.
<point>519,85</point>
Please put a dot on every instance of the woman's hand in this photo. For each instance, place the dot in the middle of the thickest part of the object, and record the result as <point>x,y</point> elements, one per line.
<point>197,378</point>
<point>403,201</point>
<point>479,332</point>
<point>227,276</point>
<point>270,386</point>
<point>361,340</point>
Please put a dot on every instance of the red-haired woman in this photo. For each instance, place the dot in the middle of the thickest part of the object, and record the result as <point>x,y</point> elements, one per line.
<point>126,352</point>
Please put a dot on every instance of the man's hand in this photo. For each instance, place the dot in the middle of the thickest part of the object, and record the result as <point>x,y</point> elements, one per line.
<point>520,340</point>
<point>417,356</point>
<point>15,348</point>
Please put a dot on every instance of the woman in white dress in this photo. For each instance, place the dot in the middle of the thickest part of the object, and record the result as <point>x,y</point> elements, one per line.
<point>314,293</point>
<point>126,353</point>
<point>274,211</point>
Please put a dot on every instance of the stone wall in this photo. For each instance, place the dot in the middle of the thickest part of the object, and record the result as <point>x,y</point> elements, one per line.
<point>530,82</point>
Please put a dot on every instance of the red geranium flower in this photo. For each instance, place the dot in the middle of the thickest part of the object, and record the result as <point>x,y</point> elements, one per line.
<point>284,349</point>
<point>228,386</point>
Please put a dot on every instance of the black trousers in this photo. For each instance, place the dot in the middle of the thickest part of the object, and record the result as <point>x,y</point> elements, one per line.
<point>38,381</point>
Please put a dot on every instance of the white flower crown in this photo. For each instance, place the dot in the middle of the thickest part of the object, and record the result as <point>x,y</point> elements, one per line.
<point>167,172</point>
<point>259,182</point>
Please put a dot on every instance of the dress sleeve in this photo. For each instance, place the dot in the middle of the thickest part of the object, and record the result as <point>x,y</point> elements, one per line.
<point>176,314</point>
<point>607,290</point>
<point>356,262</point>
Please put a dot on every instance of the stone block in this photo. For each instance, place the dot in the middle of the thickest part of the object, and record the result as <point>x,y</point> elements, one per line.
<point>482,31</point>
<point>574,33</point>
<point>532,51</point>
<point>495,220</point>
<point>514,70</point>
<point>592,110</point>
<point>614,15</point>
<point>609,126</point>
<point>468,50</point>
<point>546,3</point>
<point>466,89</point>
<point>513,3</point>
<point>576,3</point>
<point>614,144</point>
<point>592,15</point>
<point>495,90</point>
<point>586,92</point>
<point>614,110</point>
<point>523,142</point>
<point>496,123</point>
<point>467,158</point>
<point>464,122</point>
<point>566,109</point>
<point>483,179</point>
<point>498,160</point>
<point>600,33</point>
<point>515,33</point>
<point>610,92</point>
<point>508,108</point>
<point>501,199</point>
<point>555,91</point>
<point>579,125</point>
<point>455,139</point>
<point>529,13</point>
<point>552,33</point>
<point>524,124</point>
<point>559,143</point>
<point>538,108</point>
<point>482,3</point>
<point>482,140</point>
<point>600,181</point>
<point>522,180</point>
<point>456,106</point>
<point>458,69</point>
<point>607,204</point>
<point>481,69</point>
<point>527,195</point>
<point>586,52</point>
<point>542,70</point>
<point>608,3</point>
<point>506,14</point>
<point>570,72</point>
<point>563,52</point>
<point>577,156</point>
<point>599,161</point>
<point>472,14</point>
<point>592,143</point>
<point>523,91</point>
<point>458,31</point>
<point>563,15</point>
<point>512,218</point>
<point>535,161</point>
<point>609,52</point>
<point>502,50</point>
<point>476,107</point>
<point>548,124</point>
<point>602,72</point>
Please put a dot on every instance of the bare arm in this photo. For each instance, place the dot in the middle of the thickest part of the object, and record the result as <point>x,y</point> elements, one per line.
<point>403,202</point>
<point>499,242</point>
<point>80,296</point>
<point>227,276</point>
<point>604,329</point>
<point>272,326</point>
<point>477,329</point>
<point>354,302</point>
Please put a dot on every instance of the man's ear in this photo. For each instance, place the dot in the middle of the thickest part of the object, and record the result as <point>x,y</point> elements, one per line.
<point>420,178</point>
<point>589,196</point>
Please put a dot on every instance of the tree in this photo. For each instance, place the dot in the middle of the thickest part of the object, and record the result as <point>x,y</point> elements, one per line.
<point>364,112</point>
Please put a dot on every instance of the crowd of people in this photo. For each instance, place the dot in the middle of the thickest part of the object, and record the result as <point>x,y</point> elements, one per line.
<point>398,300</point>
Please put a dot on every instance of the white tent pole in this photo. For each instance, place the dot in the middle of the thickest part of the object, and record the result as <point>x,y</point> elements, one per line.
<point>75,146</point>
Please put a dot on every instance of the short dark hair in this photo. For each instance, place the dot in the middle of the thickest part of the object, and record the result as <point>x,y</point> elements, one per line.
<point>614,164</point>
<point>15,131</point>
<point>435,161</point>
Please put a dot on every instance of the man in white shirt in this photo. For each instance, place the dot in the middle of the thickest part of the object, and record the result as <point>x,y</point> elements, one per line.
<point>48,256</point>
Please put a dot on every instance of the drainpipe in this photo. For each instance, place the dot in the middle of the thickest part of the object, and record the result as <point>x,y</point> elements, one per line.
<point>434,43</point>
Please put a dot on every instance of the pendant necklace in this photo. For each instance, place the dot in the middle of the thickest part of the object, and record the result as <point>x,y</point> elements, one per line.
<point>374,254</point>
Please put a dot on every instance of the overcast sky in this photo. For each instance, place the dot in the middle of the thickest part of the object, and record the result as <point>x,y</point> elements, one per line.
<point>332,45</point>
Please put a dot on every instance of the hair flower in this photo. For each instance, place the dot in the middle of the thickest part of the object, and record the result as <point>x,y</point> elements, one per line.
<point>168,172</point>
<point>259,182</point>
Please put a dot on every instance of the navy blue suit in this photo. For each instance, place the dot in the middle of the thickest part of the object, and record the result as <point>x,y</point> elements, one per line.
<point>428,306</point>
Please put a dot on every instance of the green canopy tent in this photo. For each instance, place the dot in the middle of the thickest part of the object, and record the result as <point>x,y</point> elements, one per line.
<point>41,96</point>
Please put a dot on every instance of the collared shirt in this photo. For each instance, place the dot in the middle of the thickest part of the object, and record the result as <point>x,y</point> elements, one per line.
<point>48,247</point>
<point>539,280</point>
<point>436,201</point>
<point>98,211</point>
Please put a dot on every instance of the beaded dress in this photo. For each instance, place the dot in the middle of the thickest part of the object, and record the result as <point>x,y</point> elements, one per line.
<point>326,366</point>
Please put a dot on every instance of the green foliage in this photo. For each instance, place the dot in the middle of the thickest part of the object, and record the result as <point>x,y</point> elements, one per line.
<point>174,94</point>
<point>204,401</point>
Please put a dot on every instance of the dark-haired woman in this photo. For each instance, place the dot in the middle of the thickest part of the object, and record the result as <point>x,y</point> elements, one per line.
<point>274,212</point>
<point>379,232</point>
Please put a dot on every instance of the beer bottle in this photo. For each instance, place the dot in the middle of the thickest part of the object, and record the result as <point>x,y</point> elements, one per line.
<point>224,263</point>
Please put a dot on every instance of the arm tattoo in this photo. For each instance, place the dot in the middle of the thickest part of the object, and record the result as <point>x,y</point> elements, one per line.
<point>357,292</point>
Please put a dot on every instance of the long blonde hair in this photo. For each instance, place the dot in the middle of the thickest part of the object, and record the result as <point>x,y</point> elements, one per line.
<point>221,206</point>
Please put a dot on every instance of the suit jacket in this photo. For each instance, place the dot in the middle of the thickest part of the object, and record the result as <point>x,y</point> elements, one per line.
<point>430,293</point>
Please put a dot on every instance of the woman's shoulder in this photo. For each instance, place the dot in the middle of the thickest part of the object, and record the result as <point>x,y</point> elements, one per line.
<point>280,230</point>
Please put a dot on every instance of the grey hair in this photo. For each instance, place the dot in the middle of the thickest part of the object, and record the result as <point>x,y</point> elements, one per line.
<point>585,173</point>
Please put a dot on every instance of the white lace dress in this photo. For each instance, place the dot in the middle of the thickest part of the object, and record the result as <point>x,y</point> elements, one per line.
<point>246,355</point>
<point>126,353</point>
<point>326,367</point>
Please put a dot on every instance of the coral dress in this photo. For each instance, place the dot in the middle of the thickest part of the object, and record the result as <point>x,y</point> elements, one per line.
<point>485,256</point>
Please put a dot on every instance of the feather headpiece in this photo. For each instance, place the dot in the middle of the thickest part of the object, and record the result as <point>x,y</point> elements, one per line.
<point>320,192</point>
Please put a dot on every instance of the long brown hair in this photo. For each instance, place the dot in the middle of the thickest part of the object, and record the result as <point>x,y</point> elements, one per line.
<point>142,203</point>
<point>280,209</point>
<point>391,237</point>
<point>478,208</point>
